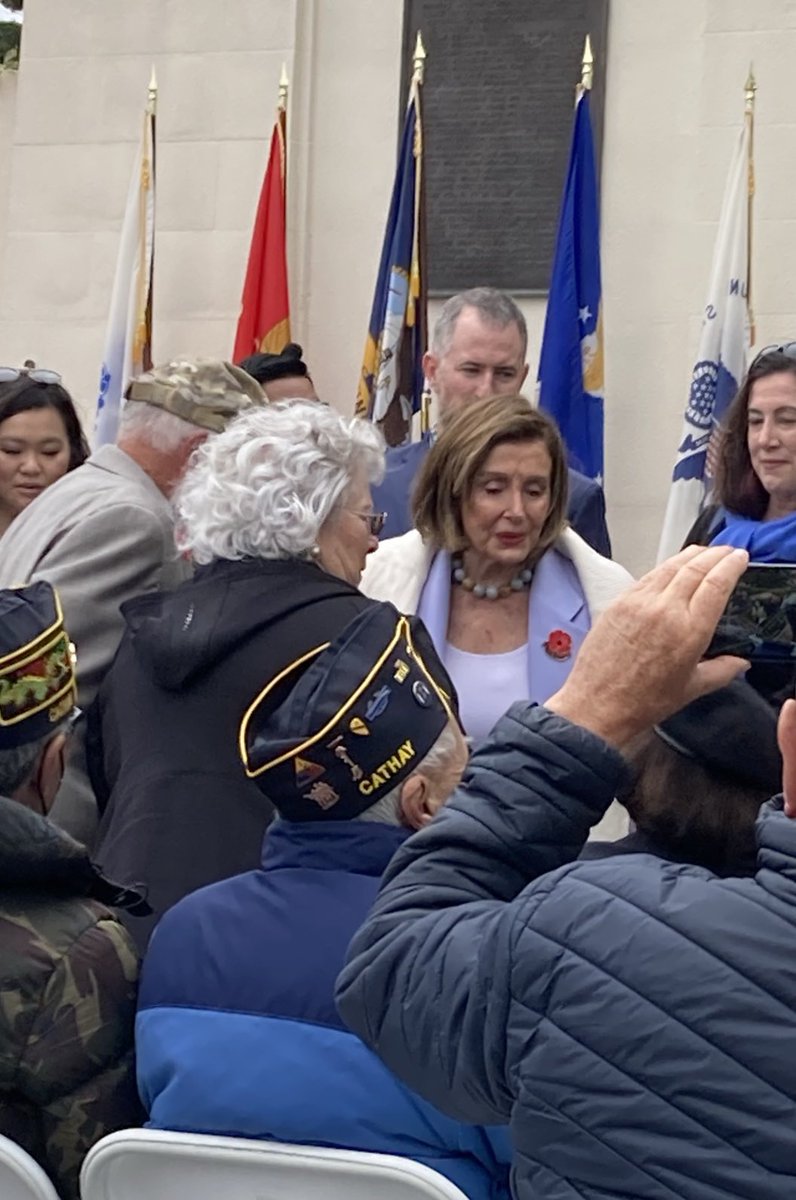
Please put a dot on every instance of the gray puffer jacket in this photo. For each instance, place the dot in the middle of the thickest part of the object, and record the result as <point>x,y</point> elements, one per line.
<point>632,1019</point>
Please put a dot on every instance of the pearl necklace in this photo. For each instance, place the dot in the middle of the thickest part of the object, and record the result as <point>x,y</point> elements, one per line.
<point>488,591</point>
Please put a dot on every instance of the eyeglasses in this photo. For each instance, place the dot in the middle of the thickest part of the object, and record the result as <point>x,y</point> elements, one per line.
<point>37,374</point>
<point>375,520</point>
<point>786,348</point>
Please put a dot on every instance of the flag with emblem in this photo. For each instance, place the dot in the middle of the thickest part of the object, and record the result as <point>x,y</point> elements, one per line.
<point>128,339</point>
<point>264,322</point>
<point>391,380</point>
<point>721,355</point>
<point>571,361</point>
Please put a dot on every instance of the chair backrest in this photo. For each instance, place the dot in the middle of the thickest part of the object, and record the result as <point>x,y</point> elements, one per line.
<point>160,1165</point>
<point>21,1177</point>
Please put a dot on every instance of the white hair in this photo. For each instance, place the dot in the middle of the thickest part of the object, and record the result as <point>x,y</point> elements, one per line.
<point>155,427</point>
<point>264,487</point>
<point>387,810</point>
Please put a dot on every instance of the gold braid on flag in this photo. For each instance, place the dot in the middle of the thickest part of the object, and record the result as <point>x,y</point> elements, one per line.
<point>142,337</point>
<point>414,272</point>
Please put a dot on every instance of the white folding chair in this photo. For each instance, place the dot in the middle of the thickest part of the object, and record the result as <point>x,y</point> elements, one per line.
<point>148,1164</point>
<point>21,1177</point>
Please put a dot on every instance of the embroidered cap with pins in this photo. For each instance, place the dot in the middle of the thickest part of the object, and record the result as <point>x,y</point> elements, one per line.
<point>359,721</point>
<point>37,665</point>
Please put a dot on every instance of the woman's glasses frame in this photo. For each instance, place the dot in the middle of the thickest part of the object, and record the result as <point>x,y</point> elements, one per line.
<point>375,520</point>
<point>37,374</point>
<point>786,348</point>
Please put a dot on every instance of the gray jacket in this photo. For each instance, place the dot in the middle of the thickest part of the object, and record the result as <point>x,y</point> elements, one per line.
<point>101,535</point>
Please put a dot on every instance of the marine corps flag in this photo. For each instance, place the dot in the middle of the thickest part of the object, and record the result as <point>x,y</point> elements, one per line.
<point>128,340</point>
<point>264,322</point>
<point>571,361</point>
<point>391,381</point>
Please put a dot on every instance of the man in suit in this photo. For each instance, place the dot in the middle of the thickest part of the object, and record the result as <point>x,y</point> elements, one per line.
<point>478,350</point>
<point>104,532</point>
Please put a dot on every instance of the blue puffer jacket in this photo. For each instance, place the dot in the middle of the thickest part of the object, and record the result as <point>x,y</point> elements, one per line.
<point>633,1019</point>
<point>237,1030</point>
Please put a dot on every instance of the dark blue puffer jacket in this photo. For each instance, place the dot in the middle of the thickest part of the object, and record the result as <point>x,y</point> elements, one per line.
<point>633,1019</point>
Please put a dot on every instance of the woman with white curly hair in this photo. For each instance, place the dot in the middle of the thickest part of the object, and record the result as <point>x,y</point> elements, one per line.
<point>276,514</point>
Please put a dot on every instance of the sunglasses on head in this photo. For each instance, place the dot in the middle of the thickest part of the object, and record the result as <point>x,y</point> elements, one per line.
<point>37,374</point>
<point>786,348</point>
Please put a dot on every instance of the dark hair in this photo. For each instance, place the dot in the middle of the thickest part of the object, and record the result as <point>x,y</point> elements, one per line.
<point>24,394</point>
<point>737,486</point>
<point>694,812</point>
<point>447,475</point>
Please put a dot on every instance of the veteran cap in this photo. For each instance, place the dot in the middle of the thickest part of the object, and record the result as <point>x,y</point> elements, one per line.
<point>206,392</point>
<point>733,731</point>
<point>359,721</point>
<point>265,368</point>
<point>37,669</point>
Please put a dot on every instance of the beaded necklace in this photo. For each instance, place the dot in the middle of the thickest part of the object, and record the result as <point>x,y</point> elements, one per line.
<point>488,591</point>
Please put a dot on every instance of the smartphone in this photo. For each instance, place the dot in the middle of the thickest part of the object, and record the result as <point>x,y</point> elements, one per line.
<point>759,622</point>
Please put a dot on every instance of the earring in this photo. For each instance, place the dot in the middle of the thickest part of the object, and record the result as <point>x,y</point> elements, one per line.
<point>315,551</point>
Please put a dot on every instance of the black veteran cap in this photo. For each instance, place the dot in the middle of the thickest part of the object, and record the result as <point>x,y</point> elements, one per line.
<point>265,368</point>
<point>37,669</point>
<point>733,731</point>
<point>358,722</point>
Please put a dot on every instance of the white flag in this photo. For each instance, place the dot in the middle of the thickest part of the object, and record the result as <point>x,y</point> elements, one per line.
<point>721,357</point>
<point>128,349</point>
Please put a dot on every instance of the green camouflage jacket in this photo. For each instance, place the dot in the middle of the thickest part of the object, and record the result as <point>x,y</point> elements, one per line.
<point>68,978</point>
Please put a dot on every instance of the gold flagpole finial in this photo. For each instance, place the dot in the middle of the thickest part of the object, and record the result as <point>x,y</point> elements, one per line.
<point>587,67</point>
<point>425,411</point>
<point>152,96</point>
<point>283,86</point>
<point>419,59</point>
<point>749,89</point>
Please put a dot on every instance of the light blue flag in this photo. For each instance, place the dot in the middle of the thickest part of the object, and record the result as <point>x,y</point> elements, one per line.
<point>571,361</point>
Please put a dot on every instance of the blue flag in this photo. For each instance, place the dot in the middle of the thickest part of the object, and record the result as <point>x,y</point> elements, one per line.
<point>571,362</point>
<point>393,361</point>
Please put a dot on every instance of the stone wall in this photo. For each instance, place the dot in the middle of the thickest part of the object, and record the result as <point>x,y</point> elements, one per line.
<point>674,102</point>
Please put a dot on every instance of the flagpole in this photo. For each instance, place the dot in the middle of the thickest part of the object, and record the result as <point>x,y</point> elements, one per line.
<point>283,88</point>
<point>586,71</point>
<point>418,78</point>
<point>152,94</point>
<point>750,88</point>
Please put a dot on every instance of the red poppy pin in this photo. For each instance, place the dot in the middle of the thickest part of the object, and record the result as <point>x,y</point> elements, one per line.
<point>558,644</point>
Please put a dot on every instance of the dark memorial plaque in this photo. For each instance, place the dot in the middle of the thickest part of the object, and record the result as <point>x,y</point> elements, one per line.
<point>498,109</point>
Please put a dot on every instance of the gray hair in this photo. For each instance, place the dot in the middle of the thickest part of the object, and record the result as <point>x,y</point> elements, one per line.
<point>265,486</point>
<point>494,308</point>
<point>155,427</point>
<point>16,764</point>
<point>387,810</point>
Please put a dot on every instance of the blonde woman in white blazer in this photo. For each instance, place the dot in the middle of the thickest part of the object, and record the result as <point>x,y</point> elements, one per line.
<point>505,588</point>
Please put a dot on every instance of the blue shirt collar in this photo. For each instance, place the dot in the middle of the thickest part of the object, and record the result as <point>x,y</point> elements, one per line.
<point>358,847</point>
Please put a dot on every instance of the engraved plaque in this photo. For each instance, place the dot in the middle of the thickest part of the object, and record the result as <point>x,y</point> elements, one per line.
<point>498,108</point>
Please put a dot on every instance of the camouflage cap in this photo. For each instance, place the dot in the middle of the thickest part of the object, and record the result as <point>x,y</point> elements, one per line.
<point>206,392</point>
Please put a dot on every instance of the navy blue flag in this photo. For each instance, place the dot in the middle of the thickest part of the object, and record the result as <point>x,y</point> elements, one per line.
<point>571,361</point>
<point>392,368</point>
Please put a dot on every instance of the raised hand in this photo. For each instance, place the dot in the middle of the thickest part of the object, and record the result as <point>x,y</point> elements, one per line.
<point>641,661</point>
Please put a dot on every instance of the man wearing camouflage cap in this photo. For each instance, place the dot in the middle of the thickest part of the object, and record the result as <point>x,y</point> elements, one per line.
<point>69,969</point>
<point>104,533</point>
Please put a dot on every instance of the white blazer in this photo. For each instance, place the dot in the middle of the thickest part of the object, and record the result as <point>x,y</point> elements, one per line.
<point>398,570</point>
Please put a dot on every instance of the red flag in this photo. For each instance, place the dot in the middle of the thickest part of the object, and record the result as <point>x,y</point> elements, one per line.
<point>264,322</point>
